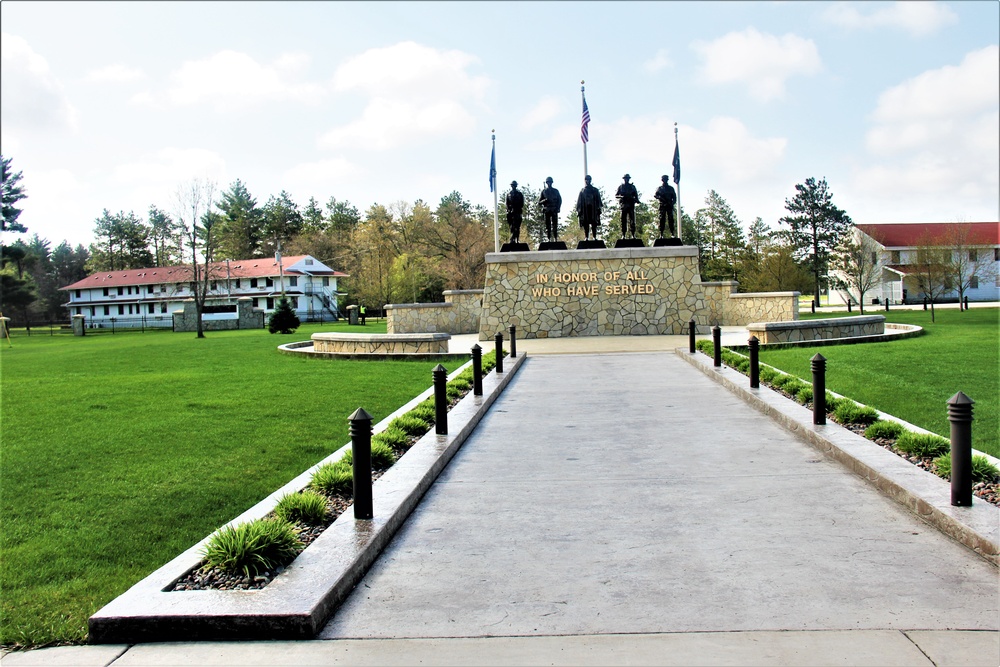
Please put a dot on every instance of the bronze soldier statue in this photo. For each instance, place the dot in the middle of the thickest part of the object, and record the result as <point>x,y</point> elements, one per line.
<point>550,203</point>
<point>627,197</point>
<point>588,207</point>
<point>668,199</point>
<point>515,210</point>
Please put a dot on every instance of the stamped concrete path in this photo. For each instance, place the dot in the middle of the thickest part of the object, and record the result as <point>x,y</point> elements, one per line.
<point>625,509</point>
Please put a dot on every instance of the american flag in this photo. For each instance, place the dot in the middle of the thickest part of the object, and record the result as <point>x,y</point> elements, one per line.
<point>584,134</point>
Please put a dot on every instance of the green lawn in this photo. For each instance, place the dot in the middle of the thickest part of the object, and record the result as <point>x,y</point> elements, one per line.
<point>913,378</point>
<point>120,451</point>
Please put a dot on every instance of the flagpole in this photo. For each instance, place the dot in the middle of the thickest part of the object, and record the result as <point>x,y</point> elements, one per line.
<point>680,217</point>
<point>583,98</point>
<point>496,219</point>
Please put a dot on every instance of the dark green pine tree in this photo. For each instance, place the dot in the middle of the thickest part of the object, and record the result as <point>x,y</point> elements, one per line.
<point>283,319</point>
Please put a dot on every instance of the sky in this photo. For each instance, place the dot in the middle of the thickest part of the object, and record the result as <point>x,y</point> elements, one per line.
<point>115,105</point>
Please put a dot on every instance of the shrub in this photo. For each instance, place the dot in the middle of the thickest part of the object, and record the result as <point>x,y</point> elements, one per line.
<point>423,412</point>
<point>705,346</point>
<point>922,444</point>
<point>780,379</point>
<point>982,469</point>
<point>865,415</point>
<point>461,383</point>
<point>794,386</point>
<point>411,424</point>
<point>804,395</point>
<point>253,547</point>
<point>884,429</point>
<point>394,437</point>
<point>453,392</point>
<point>306,507</point>
<point>334,479</point>
<point>767,374</point>
<point>831,402</point>
<point>382,455</point>
<point>743,365</point>
<point>845,411</point>
<point>283,319</point>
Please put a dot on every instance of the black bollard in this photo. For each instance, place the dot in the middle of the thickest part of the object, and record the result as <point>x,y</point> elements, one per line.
<point>754,362</point>
<point>440,375</point>
<point>819,388</point>
<point>812,305</point>
<point>925,304</point>
<point>477,370</point>
<point>848,305</point>
<point>887,305</point>
<point>965,300</point>
<point>717,346</point>
<point>960,416</point>
<point>513,341</point>
<point>498,339</point>
<point>361,457</point>
<point>691,331</point>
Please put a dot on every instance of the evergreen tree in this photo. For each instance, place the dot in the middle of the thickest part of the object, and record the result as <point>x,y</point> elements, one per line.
<point>241,228</point>
<point>164,234</point>
<point>13,192</point>
<point>815,226</point>
<point>283,319</point>
<point>282,222</point>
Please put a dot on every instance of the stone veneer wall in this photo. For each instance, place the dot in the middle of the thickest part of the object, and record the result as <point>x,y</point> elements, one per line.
<point>459,314</point>
<point>834,327</point>
<point>348,343</point>
<point>247,317</point>
<point>613,292</point>
<point>741,309</point>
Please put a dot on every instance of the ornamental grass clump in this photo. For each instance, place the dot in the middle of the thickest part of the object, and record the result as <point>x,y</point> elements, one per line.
<point>306,507</point>
<point>453,392</point>
<point>804,395</point>
<point>461,383</point>
<point>982,469</point>
<point>884,429</point>
<point>382,455</point>
<point>392,436</point>
<point>411,424</point>
<point>922,444</point>
<point>849,412</point>
<point>424,412</point>
<point>253,547</point>
<point>767,374</point>
<point>334,479</point>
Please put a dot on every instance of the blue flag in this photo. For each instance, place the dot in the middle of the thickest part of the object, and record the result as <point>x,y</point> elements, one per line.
<point>493,167</point>
<point>677,161</point>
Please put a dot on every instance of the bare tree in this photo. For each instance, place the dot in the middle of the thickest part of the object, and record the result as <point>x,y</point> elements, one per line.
<point>858,263</point>
<point>932,269</point>
<point>198,225</point>
<point>970,260</point>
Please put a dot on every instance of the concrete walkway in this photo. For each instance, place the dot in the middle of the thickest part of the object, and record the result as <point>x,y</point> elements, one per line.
<point>625,509</point>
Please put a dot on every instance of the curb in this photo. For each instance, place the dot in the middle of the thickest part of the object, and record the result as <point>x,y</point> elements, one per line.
<point>923,493</point>
<point>296,604</point>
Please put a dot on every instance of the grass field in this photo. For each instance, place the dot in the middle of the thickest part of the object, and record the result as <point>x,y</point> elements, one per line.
<point>913,378</point>
<point>120,451</point>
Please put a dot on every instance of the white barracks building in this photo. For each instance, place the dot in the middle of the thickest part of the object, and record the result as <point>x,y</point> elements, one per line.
<point>149,296</point>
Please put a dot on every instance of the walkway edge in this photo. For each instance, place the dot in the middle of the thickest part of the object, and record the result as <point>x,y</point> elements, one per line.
<point>298,603</point>
<point>923,493</point>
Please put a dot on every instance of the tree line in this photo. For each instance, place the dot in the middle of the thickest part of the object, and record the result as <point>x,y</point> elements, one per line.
<point>411,252</point>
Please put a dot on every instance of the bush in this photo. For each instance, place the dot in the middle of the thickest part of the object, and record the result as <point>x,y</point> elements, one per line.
<point>982,469</point>
<point>253,547</point>
<point>804,395</point>
<point>394,437</point>
<point>922,444</point>
<point>794,386</point>
<point>461,383</point>
<point>334,479</point>
<point>453,392</point>
<point>306,507</point>
<point>283,319</point>
<point>767,374</point>
<point>831,402</point>
<point>423,412</point>
<point>884,429</point>
<point>849,412</point>
<point>780,379</point>
<point>411,424</point>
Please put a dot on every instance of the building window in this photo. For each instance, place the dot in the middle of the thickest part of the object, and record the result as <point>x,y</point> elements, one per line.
<point>215,284</point>
<point>152,308</point>
<point>78,294</point>
<point>874,257</point>
<point>163,307</point>
<point>105,291</point>
<point>294,301</point>
<point>107,310</point>
<point>326,281</point>
<point>149,289</point>
<point>293,281</point>
<point>895,257</point>
<point>121,309</point>
<point>253,282</point>
<point>974,282</point>
<point>268,282</point>
<point>256,303</point>
<point>309,262</point>
<point>78,309</point>
<point>996,254</point>
<point>93,311</point>
<point>237,283</point>
<point>121,290</point>
<point>270,303</point>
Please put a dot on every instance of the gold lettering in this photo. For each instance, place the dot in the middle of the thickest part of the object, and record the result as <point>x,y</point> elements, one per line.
<point>536,291</point>
<point>541,278</point>
<point>629,276</point>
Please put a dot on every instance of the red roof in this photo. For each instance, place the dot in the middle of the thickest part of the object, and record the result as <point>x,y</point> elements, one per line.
<point>238,268</point>
<point>910,234</point>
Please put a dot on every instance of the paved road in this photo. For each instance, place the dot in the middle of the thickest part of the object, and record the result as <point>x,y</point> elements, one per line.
<point>627,493</point>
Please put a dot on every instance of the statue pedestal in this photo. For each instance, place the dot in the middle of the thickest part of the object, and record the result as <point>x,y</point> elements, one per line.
<point>552,245</point>
<point>514,247</point>
<point>629,243</point>
<point>591,245</point>
<point>672,241</point>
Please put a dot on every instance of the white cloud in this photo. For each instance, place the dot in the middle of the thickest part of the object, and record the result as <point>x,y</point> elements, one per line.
<point>171,166</point>
<point>760,61</point>
<point>30,95</point>
<point>936,137</point>
<point>231,80</point>
<point>916,18</point>
<point>416,92</point>
<point>548,107</point>
<point>322,176</point>
<point>658,62</point>
<point>116,73</point>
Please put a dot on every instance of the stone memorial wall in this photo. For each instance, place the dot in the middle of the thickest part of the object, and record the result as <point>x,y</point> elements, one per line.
<point>459,314</point>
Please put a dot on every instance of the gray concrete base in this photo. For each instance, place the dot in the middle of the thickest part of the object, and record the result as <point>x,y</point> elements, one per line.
<point>925,494</point>
<point>297,603</point>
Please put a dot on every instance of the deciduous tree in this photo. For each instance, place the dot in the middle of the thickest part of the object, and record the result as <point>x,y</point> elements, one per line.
<point>858,264</point>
